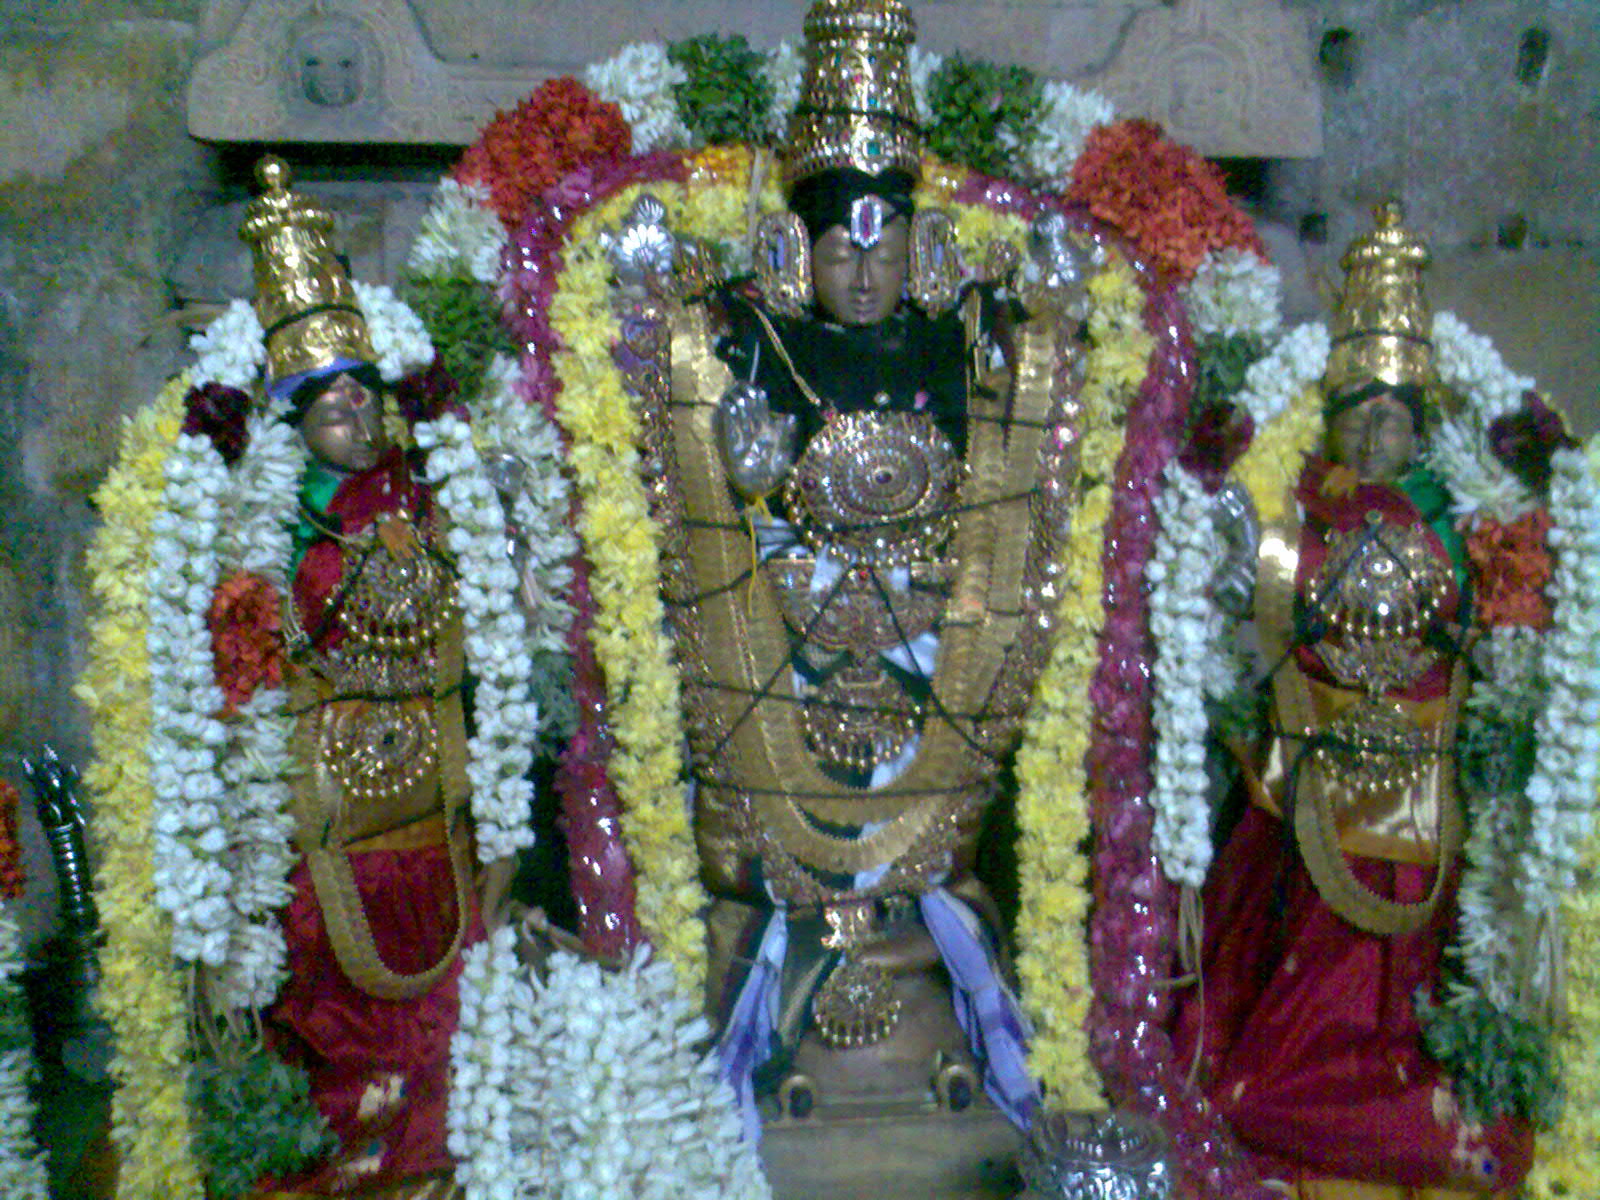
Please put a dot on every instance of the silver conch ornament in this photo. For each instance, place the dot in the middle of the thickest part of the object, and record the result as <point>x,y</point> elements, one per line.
<point>641,251</point>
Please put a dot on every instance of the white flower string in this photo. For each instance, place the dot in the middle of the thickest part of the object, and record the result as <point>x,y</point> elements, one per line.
<point>542,506</point>
<point>589,1085</point>
<point>1188,630</point>
<point>1460,451</point>
<point>1234,292</point>
<point>639,79</point>
<point>487,1048</point>
<point>783,67</point>
<point>231,350</point>
<point>924,65</point>
<point>500,752</point>
<point>1561,792</point>
<point>1273,382</point>
<point>460,235</point>
<point>191,877</point>
<point>22,1163</point>
<point>1066,118</point>
<point>400,342</point>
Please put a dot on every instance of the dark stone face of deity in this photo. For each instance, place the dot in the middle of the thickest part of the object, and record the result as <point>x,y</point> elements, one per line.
<point>344,426</point>
<point>857,285</point>
<point>1376,438</point>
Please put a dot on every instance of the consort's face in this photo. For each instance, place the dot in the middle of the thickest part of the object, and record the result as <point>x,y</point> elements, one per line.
<point>344,426</point>
<point>1376,439</point>
<point>860,287</point>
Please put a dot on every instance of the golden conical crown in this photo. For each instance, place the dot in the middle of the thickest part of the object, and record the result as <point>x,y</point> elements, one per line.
<point>1382,329</point>
<point>856,107</point>
<point>304,297</point>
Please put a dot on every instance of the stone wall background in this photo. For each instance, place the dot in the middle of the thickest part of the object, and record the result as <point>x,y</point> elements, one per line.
<point>117,229</point>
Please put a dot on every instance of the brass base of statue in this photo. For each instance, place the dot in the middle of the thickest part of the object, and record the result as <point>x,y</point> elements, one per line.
<point>904,1116</point>
<point>930,1156</point>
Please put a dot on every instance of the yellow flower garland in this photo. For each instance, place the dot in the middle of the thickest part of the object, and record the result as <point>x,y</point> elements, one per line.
<point>1052,801</point>
<point>1271,467</point>
<point>623,545</point>
<point>140,992</point>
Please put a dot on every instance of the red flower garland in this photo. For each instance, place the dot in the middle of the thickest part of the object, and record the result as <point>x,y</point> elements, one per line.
<point>13,879</point>
<point>1166,198</point>
<point>1511,568</point>
<point>559,128</point>
<point>243,620</point>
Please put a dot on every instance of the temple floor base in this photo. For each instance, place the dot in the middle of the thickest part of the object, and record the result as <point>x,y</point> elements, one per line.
<point>930,1156</point>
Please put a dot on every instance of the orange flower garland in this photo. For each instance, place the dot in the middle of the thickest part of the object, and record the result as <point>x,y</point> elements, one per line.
<point>1511,568</point>
<point>559,128</point>
<point>248,653</point>
<point>1169,200</point>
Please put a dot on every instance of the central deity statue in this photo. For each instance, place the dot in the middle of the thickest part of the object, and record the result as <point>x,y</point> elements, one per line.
<point>864,473</point>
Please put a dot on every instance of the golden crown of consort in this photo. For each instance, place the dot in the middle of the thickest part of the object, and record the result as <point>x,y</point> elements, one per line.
<point>1383,328</point>
<point>856,107</point>
<point>304,297</point>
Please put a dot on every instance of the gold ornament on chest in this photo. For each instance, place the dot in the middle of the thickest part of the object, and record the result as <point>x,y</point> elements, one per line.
<point>1378,590</point>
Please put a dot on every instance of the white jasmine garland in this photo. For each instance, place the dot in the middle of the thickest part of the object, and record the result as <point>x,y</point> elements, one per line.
<point>924,64</point>
<point>782,67</point>
<point>1561,792</point>
<point>1066,118</point>
<point>190,874</point>
<point>232,349</point>
<point>255,772</point>
<point>500,752</point>
<point>541,509</point>
<point>639,80</point>
<point>1273,382</point>
<point>400,341</point>
<point>1469,365</point>
<point>23,1173</point>
<point>489,1044</point>
<point>460,235</point>
<point>1188,629</point>
<point>589,1085</point>
<point>1235,292</point>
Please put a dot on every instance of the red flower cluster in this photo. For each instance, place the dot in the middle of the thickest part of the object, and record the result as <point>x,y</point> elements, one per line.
<point>1511,567</point>
<point>1166,198</point>
<point>244,637</point>
<point>522,152</point>
<point>12,877</point>
<point>220,413</point>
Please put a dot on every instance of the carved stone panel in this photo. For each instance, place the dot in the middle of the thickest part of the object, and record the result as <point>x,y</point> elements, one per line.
<point>340,71</point>
<point>1232,78</point>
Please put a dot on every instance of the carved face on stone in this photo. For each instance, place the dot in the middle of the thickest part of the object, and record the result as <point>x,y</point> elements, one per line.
<point>330,64</point>
<point>343,427</point>
<point>857,285</point>
<point>1376,438</point>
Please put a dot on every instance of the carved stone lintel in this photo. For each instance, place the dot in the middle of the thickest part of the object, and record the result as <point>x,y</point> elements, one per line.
<point>1232,78</point>
<point>342,71</point>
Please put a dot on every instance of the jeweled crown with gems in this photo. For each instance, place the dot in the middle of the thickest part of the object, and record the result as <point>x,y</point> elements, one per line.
<point>1383,327</point>
<point>304,297</point>
<point>856,107</point>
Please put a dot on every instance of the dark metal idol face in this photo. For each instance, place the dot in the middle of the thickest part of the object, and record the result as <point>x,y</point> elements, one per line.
<point>856,285</point>
<point>344,426</point>
<point>1377,439</point>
